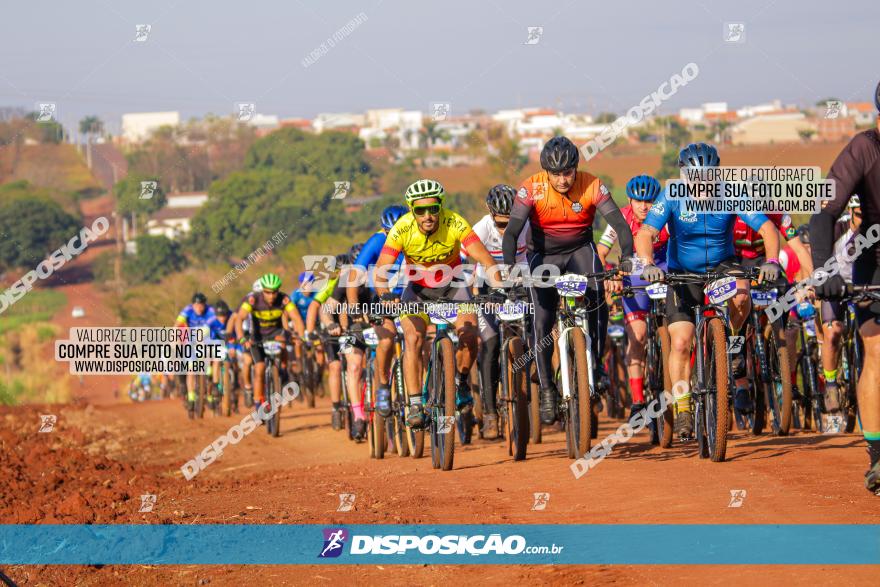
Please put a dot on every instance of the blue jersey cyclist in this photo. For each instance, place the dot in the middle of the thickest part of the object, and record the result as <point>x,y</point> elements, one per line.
<point>199,314</point>
<point>302,297</point>
<point>700,243</point>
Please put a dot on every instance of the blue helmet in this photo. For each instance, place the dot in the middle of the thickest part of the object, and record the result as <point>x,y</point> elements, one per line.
<point>391,215</point>
<point>306,276</point>
<point>643,188</point>
<point>698,155</point>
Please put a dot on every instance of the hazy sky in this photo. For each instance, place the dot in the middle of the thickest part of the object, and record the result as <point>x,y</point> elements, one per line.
<point>204,56</point>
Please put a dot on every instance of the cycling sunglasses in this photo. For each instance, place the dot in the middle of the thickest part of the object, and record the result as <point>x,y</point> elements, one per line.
<point>432,209</point>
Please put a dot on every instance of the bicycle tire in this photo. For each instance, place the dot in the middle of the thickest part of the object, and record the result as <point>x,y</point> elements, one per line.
<point>583,397</point>
<point>201,392</point>
<point>446,377</point>
<point>850,396</point>
<point>276,417</point>
<point>666,421</point>
<point>781,395</point>
<point>377,422</point>
<point>226,382</point>
<point>761,386</point>
<point>535,431</point>
<point>717,403</point>
<point>518,414</point>
<point>398,405</point>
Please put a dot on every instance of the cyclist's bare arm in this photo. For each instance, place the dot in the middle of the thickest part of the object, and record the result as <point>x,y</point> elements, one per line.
<point>242,316</point>
<point>602,251</point>
<point>351,291</point>
<point>770,235</point>
<point>803,256</point>
<point>644,243</point>
<point>313,315</point>
<point>298,325</point>
<point>613,216</point>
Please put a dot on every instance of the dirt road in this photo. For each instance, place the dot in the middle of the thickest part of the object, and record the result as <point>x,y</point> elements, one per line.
<point>99,460</point>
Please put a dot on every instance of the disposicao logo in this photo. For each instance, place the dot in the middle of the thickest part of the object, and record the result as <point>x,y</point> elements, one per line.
<point>334,542</point>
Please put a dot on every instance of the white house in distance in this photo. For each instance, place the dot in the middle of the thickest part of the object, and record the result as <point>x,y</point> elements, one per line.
<point>137,127</point>
<point>174,220</point>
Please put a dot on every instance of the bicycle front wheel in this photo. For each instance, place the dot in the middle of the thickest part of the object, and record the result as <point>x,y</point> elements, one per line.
<point>717,410</point>
<point>517,398</point>
<point>779,392</point>
<point>443,406</point>
<point>581,401</point>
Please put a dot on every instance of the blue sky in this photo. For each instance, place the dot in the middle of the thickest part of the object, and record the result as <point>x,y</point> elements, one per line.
<point>205,56</point>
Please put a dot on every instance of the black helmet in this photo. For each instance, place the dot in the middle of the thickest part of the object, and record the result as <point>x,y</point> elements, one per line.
<point>500,199</point>
<point>342,259</point>
<point>199,298</point>
<point>221,308</point>
<point>559,154</point>
<point>698,155</point>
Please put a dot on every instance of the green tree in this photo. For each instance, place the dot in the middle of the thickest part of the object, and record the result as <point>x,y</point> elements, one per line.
<point>668,165</point>
<point>91,126</point>
<point>507,164</point>
<point>156,257</point>
<point>606,117</point>
<point>128,193</point>
<point>32,225</point>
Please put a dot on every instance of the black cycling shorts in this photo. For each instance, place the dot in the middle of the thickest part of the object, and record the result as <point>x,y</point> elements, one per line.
<point>683,299</point>
<point>867,272</point>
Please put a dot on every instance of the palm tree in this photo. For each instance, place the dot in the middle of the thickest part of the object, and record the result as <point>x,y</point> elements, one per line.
<point>90,126</point>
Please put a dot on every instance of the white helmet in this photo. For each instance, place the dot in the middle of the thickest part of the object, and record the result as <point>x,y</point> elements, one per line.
<point>854,202</point>
<point>257,286</point>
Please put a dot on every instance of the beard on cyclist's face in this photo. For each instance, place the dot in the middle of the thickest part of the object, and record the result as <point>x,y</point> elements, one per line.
<point>640,209</point>
<point>563,180</point>
<point>427,222</point>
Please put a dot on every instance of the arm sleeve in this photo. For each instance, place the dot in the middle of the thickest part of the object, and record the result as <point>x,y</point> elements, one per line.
<point>608,237</point>
<point>370,252</point>
<point>522,208</point>
<point>754,220</point>
<point>612,214</point>
<point>659,213</point>
<point>326,291</point>
<point>846,171</point>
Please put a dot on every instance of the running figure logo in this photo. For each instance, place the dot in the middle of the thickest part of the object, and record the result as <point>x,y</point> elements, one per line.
<point>734,32</point>
<point>737,497</point>
<point>832,108</point>
<point>148,189</point>
<point>46,112</point>
<point>47,422</point>
<point>334,541</point>
<point>440,110</point>
<point>340,189</point>
<point>541,501</point>
<point>245,111</point>
<point>346,502</point>
<point>534,33</point>
<point>148,500</point>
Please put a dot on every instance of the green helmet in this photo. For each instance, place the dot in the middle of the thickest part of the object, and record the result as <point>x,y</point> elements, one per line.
<point>424,188</point>
<point>270,282</point>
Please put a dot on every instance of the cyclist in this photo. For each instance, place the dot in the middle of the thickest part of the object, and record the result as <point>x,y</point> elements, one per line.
<point>560,204</point>
<point>431,237</point>
<point>271,312</point>
<point>832,311</point>
<point>490,230</point>
<point>325,308</point>
<point>366,261</point>
<point>642,190</point>
<point>857,170</point>
<point>698,243</point>
<point>198,314</point>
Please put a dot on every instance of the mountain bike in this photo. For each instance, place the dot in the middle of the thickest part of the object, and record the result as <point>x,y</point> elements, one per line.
<point>513,404</point>
<point>851,351</point>
<point>577,365</point>
<point>229,385</point>
<point>808,358</point>
<point>379,430</point>
<point>615,365</point>
<point>272,383</point>
<point>711,375</point>
<point>768,365</point>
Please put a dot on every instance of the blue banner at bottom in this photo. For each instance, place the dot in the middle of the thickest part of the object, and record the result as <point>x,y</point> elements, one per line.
<point>440,544</point>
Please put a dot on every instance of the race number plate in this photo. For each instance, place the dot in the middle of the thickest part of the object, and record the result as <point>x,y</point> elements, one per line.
<point>571,285</point>
<point>805,310</point>
<point>656,291</point>
<point>511,311</point>
<point>442,313</point>
<point>721,290</point>
<point>370,337</point>
<point>272,347</point>
<point>398,325</point>
<point>762,299</point>
<point>616,331</point>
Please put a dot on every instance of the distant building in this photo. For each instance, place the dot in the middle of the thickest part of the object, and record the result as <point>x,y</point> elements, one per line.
<point>345,121</point>
<point>770,128</point>
<point>174,220</point>
<point>137,127</point>
<point>835,129</point>
<point>300,123</point>
<point>864,113</point>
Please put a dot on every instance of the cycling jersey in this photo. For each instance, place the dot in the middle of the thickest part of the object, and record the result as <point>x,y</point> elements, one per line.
<point>441,247</point>
<point>302,301</point>
<point>697,242</point>
<point>491,237</point>
<point>189,318</point>
<point>559,224</point>
<point>267,318</point>
<point>844,249</point>
<point>368,256</point>
<point>748,242</point>
<point>609,237</point>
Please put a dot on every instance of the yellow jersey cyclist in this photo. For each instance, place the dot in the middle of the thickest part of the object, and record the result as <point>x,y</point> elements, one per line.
<point>431,238</point>
<point>271,312</point>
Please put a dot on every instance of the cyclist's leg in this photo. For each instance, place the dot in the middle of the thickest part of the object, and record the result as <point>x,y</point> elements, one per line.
<point>635,309</point>
<point>680,303</point>
<point>488,361</point>
<point>259,372</point>
<point>586,260</point>
<point>414,327</point>
<point>354,370</point>
<point>545,300</point>
<point>832,336</point>
<point>866,271</point>
<point>466,351</point>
